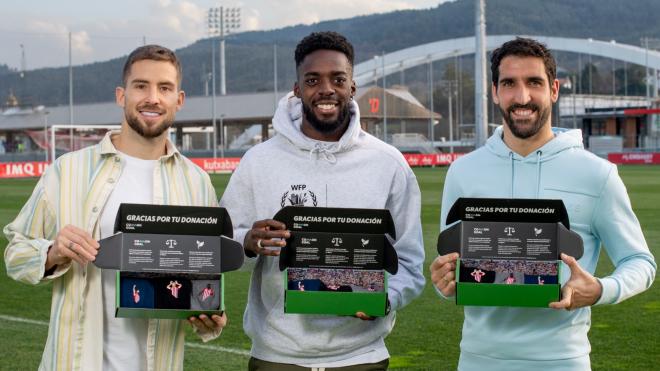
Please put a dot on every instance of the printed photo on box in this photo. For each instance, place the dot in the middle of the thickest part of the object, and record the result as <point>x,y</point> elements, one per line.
<point>508,272</point>
<point>205,295</point>
<point>136,293</point>
<point>476,271</point>
<point>541,273</point>
<point>339,280</point>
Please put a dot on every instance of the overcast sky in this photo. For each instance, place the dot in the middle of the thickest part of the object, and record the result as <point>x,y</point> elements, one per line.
<point>103,30</point>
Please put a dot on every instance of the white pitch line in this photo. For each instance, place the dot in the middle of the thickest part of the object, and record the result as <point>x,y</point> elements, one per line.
<point>219,349</point>
<point>189,345</point>
<point>23,320</point>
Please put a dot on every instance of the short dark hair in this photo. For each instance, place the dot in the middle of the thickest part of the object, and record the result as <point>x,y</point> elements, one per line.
<point>327,40</point>
<point>153,53</point>
<point>523,47</point>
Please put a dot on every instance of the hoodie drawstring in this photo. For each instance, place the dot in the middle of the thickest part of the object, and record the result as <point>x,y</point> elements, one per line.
<point>538,173</point>
<point>512,175</point>
<point>322,152</point>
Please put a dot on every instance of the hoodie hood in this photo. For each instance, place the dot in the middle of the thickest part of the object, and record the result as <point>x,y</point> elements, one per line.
<point>287,122</point>
<point>564,140</point>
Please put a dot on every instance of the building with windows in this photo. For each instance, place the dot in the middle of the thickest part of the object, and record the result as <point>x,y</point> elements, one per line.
<point>633,121</point>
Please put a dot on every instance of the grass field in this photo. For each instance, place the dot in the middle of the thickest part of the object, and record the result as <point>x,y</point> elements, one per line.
<point>427,332</point>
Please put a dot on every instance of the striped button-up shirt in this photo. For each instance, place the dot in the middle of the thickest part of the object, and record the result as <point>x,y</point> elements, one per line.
<point>74,191</point>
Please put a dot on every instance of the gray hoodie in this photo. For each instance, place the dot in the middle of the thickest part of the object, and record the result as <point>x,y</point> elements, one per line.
<point>358,171</point>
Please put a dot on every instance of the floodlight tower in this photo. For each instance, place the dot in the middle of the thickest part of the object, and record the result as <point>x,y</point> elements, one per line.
<point>221,22</point>
<point>23,63</point>
<point>480,85</point>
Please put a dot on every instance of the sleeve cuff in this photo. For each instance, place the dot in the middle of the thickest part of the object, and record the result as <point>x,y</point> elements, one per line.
<point>441,294</point>
<point>59,269</point>
<point>610,292</point>
<point>207,336</point>
<point>394,301</point>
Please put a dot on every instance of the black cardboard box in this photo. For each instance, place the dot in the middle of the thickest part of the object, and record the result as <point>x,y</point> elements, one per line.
<point>337,260</point>
<point>170,260</point>
<point>509,250</point>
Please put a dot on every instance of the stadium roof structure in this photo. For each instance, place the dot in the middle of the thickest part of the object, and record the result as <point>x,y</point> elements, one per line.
<point>250,109</point>
<point>22,120</point>
<point>402,59</point>
<point>401,104</point>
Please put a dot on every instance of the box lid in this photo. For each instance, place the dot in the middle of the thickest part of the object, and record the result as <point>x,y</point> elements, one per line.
<point>166,219</point>
<point>336,219</point>
<point>148,252</point>
<point>508,210</point>
<point>513,228</point>
<point>338,238</point>
<point>171,238</point>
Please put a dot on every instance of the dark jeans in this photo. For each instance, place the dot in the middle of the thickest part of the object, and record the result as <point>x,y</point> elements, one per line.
<point>259,365</point>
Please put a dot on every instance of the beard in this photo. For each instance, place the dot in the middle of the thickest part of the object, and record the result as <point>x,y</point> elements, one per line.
<point>327,127</point>
<point>145,131</point>
<point>521,128</point>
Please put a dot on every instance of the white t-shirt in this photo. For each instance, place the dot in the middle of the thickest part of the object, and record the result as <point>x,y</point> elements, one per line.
<point>124,339</point>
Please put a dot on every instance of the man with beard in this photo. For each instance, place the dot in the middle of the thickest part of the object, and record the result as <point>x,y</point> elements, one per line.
<point>527,158</point>
<point>74,204</point>
<point>321,157</point>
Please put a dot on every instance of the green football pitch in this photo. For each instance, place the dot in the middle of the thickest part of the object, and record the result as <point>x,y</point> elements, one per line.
<point>427,332</point>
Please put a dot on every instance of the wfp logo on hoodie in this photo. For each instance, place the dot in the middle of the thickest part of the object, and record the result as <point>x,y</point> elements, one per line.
<point>298,195</point>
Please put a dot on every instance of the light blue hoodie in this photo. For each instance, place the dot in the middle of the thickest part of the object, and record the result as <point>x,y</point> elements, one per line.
<point>599,210</point>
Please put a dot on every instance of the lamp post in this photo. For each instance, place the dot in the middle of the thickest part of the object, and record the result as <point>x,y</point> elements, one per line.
<point>221,21</point>
<point>275,74</point>
<point>452,91</point>
<point>450,87</point>
<point>45,113</point>
<point>70,97</point>
<point>430,86</point>
<point>222,136</point>
<point>651,78</point>
<point>382,59</point>
<point>480,83</point>
<point>213,113</point>
<point>573,84</point>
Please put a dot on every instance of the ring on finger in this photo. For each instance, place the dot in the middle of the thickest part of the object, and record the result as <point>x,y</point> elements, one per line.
<point>70,245</point>
<point>259,244</point>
